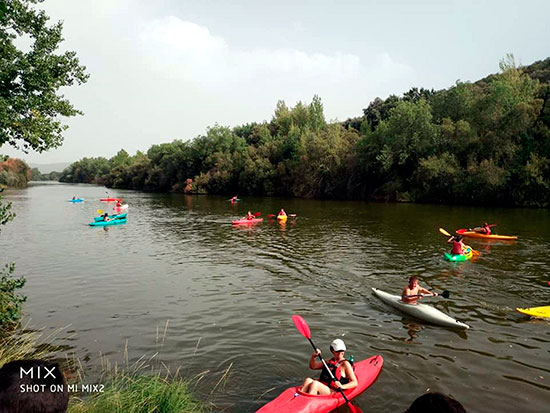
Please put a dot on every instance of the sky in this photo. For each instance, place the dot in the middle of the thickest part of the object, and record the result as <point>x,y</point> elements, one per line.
<point>168,69</point>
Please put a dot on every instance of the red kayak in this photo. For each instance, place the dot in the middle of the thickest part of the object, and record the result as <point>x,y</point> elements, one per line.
<point>247,221</point>
<point>293,400</point>
<point>110,199</point>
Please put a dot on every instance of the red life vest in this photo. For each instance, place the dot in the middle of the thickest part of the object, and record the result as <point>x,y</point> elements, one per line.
<point>334,367</point>
<point>457,248</point>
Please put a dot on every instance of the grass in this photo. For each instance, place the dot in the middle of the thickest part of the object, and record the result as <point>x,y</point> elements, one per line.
<point>139,388</point>
<point>130,393</point>
<point>143,388</point>
<point>24,344</point>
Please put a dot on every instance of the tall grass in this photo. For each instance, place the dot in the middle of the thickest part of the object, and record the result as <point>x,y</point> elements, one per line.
<point>22,343</point>
<point>146,386</point>
<point>132,393</point>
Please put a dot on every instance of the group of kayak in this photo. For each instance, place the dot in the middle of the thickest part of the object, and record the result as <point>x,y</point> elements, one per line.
<point>341,379</point>
<point>104,219</point>
<point>116,219</point>
<point>463,252</point>
<point>251,218</point>
<point>407,302</point>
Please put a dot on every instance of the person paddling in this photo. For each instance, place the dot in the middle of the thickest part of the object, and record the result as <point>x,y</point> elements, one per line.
<point>340,368</point>
<point>234,199</point>
<point>281,213</point>
<point>106,217</point>
<point>119,203</point>
<point>458,245</point>
<point>485,229</point>
<point>413,291</point>
<point>249,216</point>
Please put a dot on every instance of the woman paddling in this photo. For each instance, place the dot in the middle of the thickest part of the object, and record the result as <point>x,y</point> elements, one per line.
<point>458,245</point>
<point>340,368</point>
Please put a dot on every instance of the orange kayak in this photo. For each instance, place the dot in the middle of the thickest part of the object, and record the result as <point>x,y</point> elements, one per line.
<point>473,234</point>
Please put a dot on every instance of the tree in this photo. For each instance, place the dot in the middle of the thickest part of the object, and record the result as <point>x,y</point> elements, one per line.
<point>30,78</point>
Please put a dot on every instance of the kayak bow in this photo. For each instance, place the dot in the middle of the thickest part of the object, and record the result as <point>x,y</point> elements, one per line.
<point>538,312</point>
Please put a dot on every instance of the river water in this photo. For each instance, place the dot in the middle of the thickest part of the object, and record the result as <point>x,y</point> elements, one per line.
<point>228,293</point>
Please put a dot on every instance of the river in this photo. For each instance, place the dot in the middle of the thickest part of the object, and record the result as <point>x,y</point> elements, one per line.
<point>228,293</point>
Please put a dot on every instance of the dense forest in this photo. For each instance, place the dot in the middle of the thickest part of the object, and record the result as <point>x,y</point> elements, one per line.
<point>486,142</point>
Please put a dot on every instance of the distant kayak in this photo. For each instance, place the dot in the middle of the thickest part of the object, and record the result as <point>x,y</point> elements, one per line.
<point>538,312</point>
<point>458,257</point>
<point>120,208</point>
<point>247,221</point>
<point>423,312</point>
<point>76,200</point>
<point>473,234</point>
<point>120,216</point>
<point>110,199</point>
<point>293,400</point>
<point>106,223</point>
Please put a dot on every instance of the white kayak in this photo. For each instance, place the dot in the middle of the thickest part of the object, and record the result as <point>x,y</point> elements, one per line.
<point>421,311</point>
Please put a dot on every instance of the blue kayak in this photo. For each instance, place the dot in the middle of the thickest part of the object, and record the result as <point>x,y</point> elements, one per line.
<point>119,216</point>
<point>106,223</point>
<point>76,200</point>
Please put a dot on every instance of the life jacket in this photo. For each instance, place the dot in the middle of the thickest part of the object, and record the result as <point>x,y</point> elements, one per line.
<point>487,230</point>
<point>457,248</point>
<point>334,367</point>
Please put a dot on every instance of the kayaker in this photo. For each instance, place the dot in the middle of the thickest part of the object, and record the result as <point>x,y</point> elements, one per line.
<point>249,216</point>
<point>234,199</point>
<point>106,217</point>
<point>458,245</point>
<point>413,292</point>
<point>282,213</point>
<point>119,203</point>
<point>485,229</point>
<point>74,197</point>
<point>340,367</point>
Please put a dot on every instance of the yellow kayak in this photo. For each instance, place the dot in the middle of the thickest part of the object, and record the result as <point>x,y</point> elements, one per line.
<point>282,217</point>
<point>539,312</point>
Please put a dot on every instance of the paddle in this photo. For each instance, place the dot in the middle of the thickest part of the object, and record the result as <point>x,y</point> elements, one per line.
<point>444,294</point>
<point>100,212</point>
<point>467,246</point>
<point>463,230</point>
<point>303,328</point>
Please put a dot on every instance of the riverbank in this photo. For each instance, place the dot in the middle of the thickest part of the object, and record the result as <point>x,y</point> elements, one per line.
<point>137,389</point>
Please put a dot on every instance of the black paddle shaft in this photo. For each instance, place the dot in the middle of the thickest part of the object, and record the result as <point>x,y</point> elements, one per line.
<point>326,367</point>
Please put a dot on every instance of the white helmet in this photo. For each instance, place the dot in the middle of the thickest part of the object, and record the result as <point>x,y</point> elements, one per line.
<point>338,345</point>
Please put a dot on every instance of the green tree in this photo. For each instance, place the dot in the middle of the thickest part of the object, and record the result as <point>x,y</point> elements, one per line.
<point>30,78</point>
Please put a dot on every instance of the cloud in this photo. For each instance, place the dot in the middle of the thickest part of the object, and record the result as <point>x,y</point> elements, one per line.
<point>185,50</point>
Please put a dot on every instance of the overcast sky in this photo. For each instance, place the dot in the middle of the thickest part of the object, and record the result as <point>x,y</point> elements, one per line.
<point>165,70</point>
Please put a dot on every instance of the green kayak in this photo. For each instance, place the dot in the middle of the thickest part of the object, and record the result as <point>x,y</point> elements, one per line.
<point>458,258</point>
